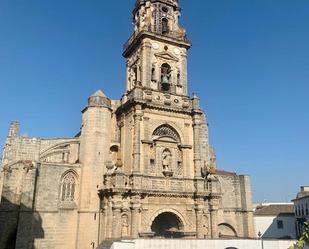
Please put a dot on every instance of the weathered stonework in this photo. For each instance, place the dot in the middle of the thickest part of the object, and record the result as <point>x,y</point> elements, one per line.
<point>140,167</point>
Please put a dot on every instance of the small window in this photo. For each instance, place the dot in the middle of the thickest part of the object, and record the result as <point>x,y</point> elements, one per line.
<point>164,9</point>
<point>280,224</point>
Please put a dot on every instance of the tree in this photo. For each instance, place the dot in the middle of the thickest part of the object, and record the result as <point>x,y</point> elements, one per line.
<point>303,240</point>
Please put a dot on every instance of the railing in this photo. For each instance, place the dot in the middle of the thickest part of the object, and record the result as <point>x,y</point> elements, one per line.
<point>179,36</point>
<point>157,184</point>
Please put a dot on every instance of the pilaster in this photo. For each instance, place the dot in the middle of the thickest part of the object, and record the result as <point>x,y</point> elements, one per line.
<point>135,216</point>
<point>116,230</point>
<point>214,206</point>
<point>197,152</point>
<point>146,64</point>
<point>137,140</point>
<point>199,207</point>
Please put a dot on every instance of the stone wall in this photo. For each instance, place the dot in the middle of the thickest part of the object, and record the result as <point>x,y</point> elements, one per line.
<point>31,207</point>
<point>236,204</point>
<point>31,210</point>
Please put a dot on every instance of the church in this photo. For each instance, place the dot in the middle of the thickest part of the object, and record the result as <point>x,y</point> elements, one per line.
<point>140,167</point>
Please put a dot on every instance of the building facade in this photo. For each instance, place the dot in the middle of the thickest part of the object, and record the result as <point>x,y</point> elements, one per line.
<point>275,221</point>
<point>141,166</point>
<point>301,209</point>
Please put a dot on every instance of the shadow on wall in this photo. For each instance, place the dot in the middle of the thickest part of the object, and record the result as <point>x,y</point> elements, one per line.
<point>279,229</point>
<point>19,225</point>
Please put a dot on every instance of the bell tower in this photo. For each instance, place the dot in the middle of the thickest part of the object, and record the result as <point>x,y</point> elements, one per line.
<point>161,184</point>
<point>156,53</point>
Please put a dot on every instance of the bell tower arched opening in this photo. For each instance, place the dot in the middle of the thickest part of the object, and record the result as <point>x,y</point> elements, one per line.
<point>167,225</point>
<point>165,28</point>
<point>165,77</point>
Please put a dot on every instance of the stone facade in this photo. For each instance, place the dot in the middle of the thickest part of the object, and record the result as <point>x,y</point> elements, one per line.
<point>140,167</point>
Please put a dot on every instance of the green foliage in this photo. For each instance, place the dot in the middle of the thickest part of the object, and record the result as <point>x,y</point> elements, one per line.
<point>303,240</point>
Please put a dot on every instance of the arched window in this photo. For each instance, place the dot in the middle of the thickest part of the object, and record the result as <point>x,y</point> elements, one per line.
<point>166,131</point>
<point>165,28</point>
<point>68,185</point>
<point>165,77</point>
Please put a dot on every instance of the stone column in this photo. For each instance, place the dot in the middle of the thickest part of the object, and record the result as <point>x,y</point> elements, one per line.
<point>214,218</point>
<point>146,147</point>
<point>199,223</point>
<point>109,219</point>
<point>116,230</point>
<point>103,225</point>
<point>137,140</point>
<point>183,73</point>
<point>146,64</point>
<point>135,217</point>
<point>197,153</point>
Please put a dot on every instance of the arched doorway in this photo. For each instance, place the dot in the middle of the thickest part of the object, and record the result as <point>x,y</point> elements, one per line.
<point>167,225</point>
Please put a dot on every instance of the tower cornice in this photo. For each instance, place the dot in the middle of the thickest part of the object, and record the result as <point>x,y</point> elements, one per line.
<point>172,3</point>
<point>136,39</point>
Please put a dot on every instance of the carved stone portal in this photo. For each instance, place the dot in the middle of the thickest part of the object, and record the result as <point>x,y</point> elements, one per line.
<point>167,225</point>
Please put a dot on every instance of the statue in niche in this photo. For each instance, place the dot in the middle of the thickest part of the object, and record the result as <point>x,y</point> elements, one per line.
<point>166,160</point>
<point>124,226</point>
<point>213,162</point>
<point>131,78</point>
<point>143,18</point>
<point>209,167</point>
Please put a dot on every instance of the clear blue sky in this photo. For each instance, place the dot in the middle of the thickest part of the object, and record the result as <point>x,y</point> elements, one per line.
<point>249,63</point>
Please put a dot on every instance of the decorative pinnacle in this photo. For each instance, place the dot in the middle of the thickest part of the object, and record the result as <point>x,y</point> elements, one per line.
<point>99,99</point>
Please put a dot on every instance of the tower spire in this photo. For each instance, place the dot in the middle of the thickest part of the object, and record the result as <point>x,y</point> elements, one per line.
<point>156,53</point>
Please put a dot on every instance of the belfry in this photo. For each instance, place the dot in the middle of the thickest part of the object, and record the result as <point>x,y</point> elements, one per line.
<point>140,167</point>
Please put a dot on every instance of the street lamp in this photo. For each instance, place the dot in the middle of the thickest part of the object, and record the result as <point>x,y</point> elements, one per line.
<point>261,238</point>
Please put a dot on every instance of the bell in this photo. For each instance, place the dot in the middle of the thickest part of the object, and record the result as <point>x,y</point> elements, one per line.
<point>165,80</point>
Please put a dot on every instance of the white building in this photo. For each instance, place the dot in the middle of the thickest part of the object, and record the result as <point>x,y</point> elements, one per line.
<point>202,244</point>
<point>275,221</point>
<point>301,208</point>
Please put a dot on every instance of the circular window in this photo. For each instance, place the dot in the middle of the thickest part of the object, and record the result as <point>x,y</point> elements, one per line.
<point>165,9</point>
